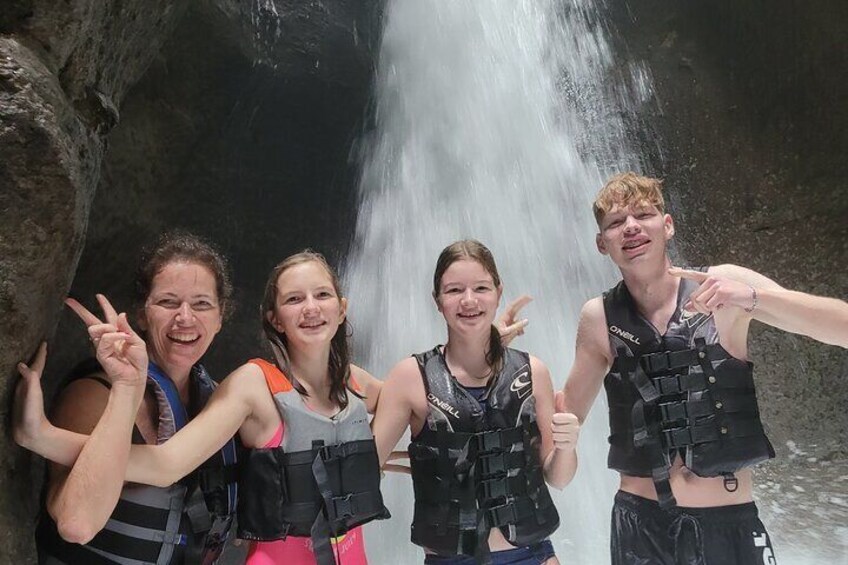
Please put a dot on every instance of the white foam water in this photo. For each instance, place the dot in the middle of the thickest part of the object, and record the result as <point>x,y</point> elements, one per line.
<point>497,121</point>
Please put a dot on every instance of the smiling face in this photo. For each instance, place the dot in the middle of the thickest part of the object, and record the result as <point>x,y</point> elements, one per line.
<point>308,309</point>
<point>468,297</point>
<point>634,234</point>
<point>181,315</point>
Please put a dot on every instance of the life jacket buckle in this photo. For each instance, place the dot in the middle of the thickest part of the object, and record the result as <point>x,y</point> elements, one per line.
<point>492,464</point>
<point>489,441</point>
<point>342,507</point>
<point>731,483</point>
<point>496,487</point>
<point>678,437</point>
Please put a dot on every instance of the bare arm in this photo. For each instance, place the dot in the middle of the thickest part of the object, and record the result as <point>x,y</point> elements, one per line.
<point>230,405</point>
<point>394,411</point>
<point>82,499</point>
<point>592,359</point>
<point>558,437</point>
<point>30,427</point>
<point>821,318</point>
<point>370,386</point>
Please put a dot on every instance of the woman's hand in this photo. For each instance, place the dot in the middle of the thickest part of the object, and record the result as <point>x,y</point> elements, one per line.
<point>121,352</point>
<point>28,418</point>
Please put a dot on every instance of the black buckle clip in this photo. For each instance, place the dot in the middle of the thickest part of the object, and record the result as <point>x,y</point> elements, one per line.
<point>493,464</point>
<point>342,508</point>
<point>489,441</point>
<point>731,483</point>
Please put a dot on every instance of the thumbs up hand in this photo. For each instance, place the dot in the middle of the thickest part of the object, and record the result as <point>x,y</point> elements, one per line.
<point>565,427</point>
<point>716,292</point>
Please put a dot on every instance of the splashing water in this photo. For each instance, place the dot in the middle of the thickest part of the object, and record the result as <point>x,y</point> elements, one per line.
<point>497,121</point>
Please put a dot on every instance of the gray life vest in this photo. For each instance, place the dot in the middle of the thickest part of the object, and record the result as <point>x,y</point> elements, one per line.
<point>477,467</point>
<point>321,482</point>
<point>680,393</point>
<point>185,523</point>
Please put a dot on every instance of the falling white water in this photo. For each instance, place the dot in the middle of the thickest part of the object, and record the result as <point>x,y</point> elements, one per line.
<point>498,121</point>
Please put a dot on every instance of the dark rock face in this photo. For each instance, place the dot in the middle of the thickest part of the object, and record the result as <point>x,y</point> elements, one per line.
<point>63,73</point>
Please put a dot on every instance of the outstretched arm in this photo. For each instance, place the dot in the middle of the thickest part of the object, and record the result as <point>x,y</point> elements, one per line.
<point>160,465</point>
<point>755,295</point>
<point>233,402</point>
<point>30,427</point>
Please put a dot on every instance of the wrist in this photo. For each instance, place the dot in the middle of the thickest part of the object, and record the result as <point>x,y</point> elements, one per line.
<point>754,301</point>
<point>127,392</point>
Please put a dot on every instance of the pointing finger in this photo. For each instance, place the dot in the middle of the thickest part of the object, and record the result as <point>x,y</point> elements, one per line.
<point>697,276</point>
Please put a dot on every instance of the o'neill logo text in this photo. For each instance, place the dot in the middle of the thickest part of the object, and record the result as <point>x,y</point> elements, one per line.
<point>626,335</point>
<point>443,405</point>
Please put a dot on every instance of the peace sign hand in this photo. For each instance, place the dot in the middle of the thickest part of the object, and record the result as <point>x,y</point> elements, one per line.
<point>715,292</point>
<point>507,325</point>
<point>121,352</point>
<point>96,327</point>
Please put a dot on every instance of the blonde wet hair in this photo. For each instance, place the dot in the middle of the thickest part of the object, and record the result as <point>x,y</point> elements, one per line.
<point>628,189</point>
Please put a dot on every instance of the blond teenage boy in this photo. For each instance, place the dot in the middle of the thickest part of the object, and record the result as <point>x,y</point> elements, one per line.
<point>670,347</point>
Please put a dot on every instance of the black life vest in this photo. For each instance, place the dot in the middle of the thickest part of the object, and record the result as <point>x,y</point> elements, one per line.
<point>474,469</point>
<point>185,523</point>
<point>680,392</point>
<point>321,482</point>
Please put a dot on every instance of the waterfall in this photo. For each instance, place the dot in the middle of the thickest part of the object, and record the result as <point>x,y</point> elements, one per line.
<point>499,121</point>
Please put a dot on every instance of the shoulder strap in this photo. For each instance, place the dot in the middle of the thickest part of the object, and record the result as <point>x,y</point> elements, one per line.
<point>173,415</point>
<point>277,381</point>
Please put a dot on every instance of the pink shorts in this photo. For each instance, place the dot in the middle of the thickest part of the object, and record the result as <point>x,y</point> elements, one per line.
<point>349,550</point>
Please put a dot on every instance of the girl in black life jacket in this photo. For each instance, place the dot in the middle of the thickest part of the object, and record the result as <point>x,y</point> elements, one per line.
<point>484,441</point>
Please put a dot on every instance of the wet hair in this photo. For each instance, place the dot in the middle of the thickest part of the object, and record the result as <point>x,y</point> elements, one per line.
<point>627,189</point>
<point>476,251</point>
<point>183,247</point>
<point>339,363</point>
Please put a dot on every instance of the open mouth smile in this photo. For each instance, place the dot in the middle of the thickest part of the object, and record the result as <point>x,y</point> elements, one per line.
<point>183,338</point>
<point>469,315</point>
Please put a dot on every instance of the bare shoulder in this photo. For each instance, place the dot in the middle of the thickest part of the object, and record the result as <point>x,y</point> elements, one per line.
<point>403,371</point>
<point>592,326</point>
<point>593,312</point>
<point>81,403</point>
<point>247,381</point>
<point>542,382</point>
<point>539,369</point>
<point>363,378</point>
<point>404,382</point>
<point>743,274</point>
